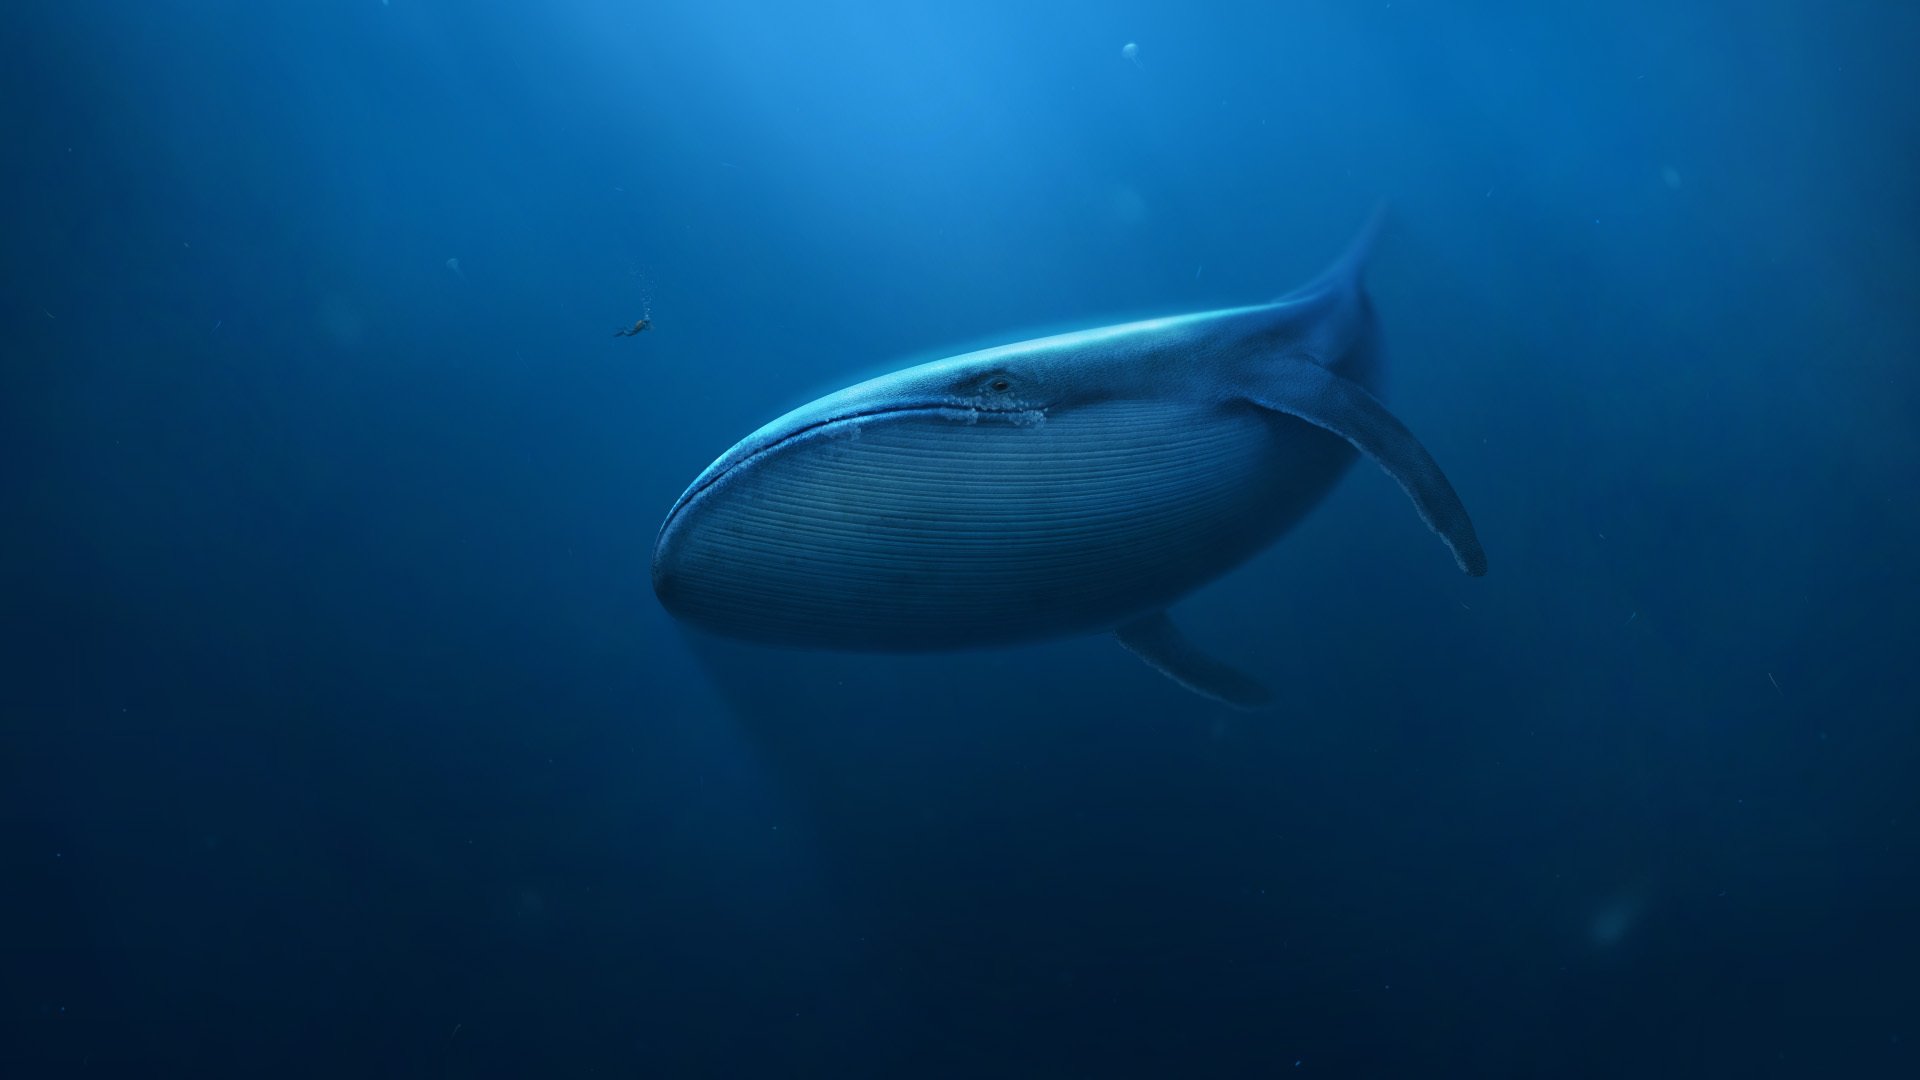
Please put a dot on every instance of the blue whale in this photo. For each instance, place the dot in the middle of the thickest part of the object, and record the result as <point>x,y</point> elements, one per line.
<point>1067,485</point>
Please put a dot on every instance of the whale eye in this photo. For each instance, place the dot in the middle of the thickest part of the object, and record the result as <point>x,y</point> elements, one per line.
<point>999,384</point>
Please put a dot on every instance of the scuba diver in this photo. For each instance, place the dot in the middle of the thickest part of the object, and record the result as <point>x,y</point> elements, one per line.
<point>639,325</point>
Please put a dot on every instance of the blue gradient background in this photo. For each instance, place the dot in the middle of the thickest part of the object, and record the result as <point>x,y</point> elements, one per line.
<point>340,733</point>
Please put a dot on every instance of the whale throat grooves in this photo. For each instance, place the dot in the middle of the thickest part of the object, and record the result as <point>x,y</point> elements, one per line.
<point>927,532</point>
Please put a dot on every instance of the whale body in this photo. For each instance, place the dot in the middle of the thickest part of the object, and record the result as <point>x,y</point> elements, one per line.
<point>1067,485</point>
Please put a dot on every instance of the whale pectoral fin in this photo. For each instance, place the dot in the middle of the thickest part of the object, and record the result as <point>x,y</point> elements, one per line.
<point>1320,397</point>
<point>1156,640</point>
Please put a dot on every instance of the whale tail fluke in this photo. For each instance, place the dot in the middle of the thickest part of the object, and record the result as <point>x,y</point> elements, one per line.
<point>1346,273</point>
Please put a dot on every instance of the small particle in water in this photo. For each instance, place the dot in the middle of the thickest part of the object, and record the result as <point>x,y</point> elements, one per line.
<point>1130,52</point>
<point>1197,269</point>
<point>1671,177</point>
<point>1776,684</point>
<point>1632,617</point>
<point>454,265</point>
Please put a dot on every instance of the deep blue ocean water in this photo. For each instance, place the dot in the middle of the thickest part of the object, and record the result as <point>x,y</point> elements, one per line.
<point>341,733</point>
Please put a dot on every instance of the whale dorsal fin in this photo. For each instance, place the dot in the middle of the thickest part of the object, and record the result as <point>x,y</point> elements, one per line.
<point>1304,389</point>
<point>1156,640</point>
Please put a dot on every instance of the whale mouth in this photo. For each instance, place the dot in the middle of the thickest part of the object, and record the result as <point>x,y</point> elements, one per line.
<point>958,411</point>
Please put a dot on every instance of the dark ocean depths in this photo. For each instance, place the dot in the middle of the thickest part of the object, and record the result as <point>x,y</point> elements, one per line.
<point>341,733</point>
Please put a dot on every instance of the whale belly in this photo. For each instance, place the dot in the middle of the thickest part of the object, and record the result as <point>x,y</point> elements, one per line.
<point>925,530</point>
